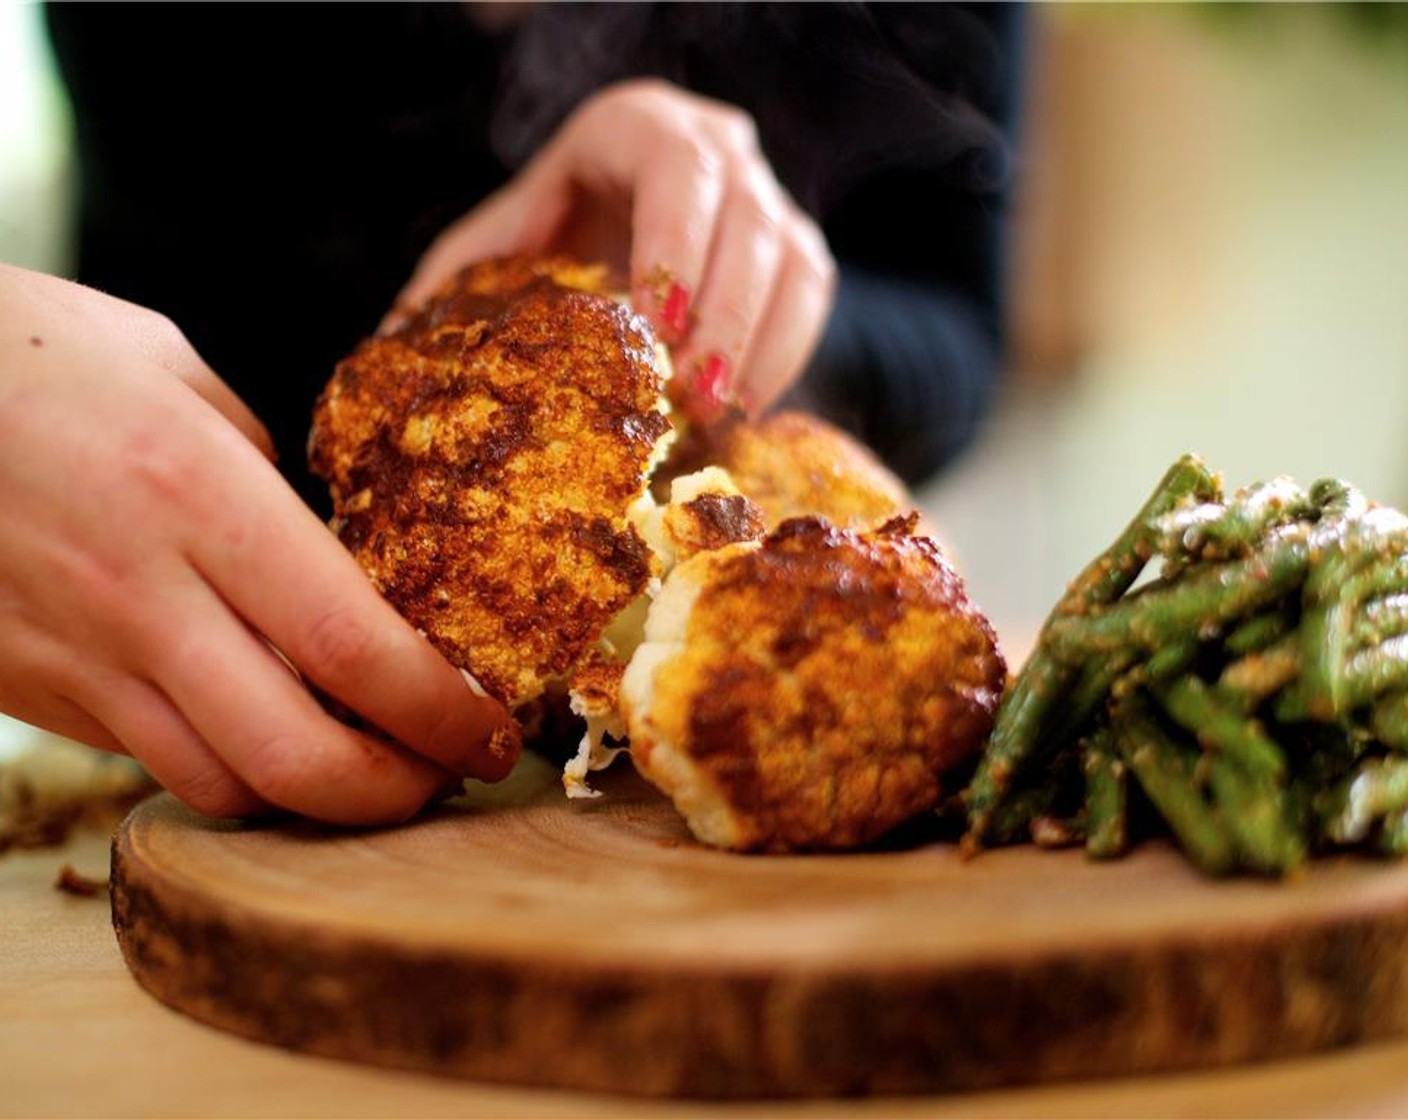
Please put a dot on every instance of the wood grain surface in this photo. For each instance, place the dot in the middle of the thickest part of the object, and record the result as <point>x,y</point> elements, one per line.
<point>516,937</point>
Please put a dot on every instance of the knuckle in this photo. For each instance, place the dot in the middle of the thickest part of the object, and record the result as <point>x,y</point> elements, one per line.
<point>767,208</point>
<point>339,646</point>
<point>737,127</point>
<point>280,768</point>
<point>166,341</point>
<point>216,795</point>
<point>157,462</point>
<point>644,89</point>
<point>811,251</point>
<point>641,100</point>
<point>692,151</point>
<point>166,346</point>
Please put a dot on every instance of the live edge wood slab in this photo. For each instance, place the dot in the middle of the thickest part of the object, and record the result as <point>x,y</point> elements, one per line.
<point>514,936</point>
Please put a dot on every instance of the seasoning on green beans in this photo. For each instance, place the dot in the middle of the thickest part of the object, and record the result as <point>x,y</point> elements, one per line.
<point>1232,672</point>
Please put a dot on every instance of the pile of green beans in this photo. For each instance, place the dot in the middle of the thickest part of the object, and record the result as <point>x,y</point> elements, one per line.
<point>1248,696</point>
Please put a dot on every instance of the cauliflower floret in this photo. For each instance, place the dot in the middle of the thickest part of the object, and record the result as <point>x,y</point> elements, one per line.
<point>705,511</point>
<point>810,691</point>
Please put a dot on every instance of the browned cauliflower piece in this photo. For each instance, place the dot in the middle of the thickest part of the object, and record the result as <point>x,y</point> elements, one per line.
<point>793,464</point>
<point>812,690</point>
<point>482,461</point>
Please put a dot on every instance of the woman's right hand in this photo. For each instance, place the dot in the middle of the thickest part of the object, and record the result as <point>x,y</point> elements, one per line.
<point>673,188</point>
<point>158,579</point>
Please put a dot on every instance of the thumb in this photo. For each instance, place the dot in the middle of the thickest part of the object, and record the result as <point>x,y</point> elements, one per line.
<point>521,217</point>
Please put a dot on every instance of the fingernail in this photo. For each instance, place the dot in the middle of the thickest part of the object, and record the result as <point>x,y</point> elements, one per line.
<point>674,312</point>
<point>711,380</point>
<point>710,394</point>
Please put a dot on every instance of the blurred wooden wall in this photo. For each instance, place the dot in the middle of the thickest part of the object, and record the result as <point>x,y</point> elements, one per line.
<point>1120,130</point>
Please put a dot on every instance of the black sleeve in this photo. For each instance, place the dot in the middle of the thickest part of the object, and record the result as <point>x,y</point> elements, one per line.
<point>908,367</point>
<point>912,353</point>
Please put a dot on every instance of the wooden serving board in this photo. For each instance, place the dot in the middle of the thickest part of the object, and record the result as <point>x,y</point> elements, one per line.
<point>515,936</point>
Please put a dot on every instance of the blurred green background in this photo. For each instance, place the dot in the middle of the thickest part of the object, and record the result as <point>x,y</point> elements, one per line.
<point>1210,253</point>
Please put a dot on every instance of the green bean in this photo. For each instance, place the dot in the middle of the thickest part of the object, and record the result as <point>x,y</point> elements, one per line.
<point>1166,773</point>
<point>1258,632</point>
<point>1011,820</point>
<point>1202,604</point>
<point>1374,671</point>
<point>1324,633</point>
<point>1381,618</point>
<point>1376,789</point>
<point>1384,575</point>
<point>1335,498</point>
<point>1021,716</point>
<point>1106,797</point>
<point>1250,690</point>
<point>1224,530</point>
<point>1027,708</point>
<point>1112,573</point>
<point>1344,550</point>
<point>1087,699</point>
<point>1389,721</point>
<point>1251,680</point>
<point>1256,811</point>
<point>1320,756</point>
<point>1171,660</point>
<point>1219,727</point>
<point>1393,834</point>
<point>1246,772</point>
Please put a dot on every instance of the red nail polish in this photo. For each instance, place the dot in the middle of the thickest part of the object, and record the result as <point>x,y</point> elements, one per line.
<point>711,382</point>
<point>710,391</point>
<point>674,313</point>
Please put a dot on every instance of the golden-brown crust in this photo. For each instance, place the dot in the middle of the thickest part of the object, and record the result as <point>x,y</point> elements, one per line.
<point>793,464</point>
<point>710,521</point>
<point>827,682</point>
<point>595,684</point>
<point>482,457</point>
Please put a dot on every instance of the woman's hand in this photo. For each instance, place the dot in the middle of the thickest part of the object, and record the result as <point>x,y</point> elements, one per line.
<point>152,562</point>
<point>673,189</point>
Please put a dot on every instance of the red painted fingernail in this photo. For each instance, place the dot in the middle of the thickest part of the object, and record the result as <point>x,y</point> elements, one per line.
<point>674,313</point>
<point>711,381</point>
<point>709,395</point>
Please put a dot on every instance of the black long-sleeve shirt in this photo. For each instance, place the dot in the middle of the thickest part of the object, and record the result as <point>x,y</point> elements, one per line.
<point>267,176</point>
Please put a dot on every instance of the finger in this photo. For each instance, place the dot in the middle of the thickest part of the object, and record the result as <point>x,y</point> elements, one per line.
<point>113,712</point>
<point>791,327</point>
<point>165,345</point>
<point>282,571</point>
<point>742,270</point>
<point>521,217</point>
<point>61,716</point>
<point>270,732</point>
<point>675,216</point>
<point>42,680</point>
<point>212,389</point>
<point>152,731</point>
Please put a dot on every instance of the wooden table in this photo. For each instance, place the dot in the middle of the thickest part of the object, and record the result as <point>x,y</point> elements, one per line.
<point>79,1038</point>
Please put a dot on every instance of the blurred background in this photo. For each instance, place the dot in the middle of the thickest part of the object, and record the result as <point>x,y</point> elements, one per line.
<point>1210,253</point>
